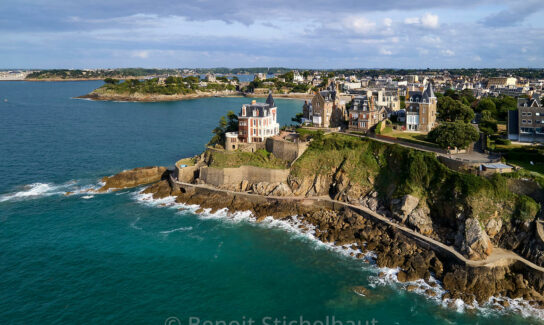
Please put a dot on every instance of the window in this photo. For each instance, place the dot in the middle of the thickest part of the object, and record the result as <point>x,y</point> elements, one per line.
<point>524,121</point>
<point>537,114</point>
<point>529,114</point>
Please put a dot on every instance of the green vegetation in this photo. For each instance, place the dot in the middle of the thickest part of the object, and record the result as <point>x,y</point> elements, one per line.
<point>454,135</point>
<point>451,110</point>
<point>186,161</point>
<point>231,159</point>
<point>170,86</point>
<point>416,138</point>
<point>395,171</point>
<point>99,74</point>
<point>277,85</point>
<point>226,124</point>
<point>528,157</point>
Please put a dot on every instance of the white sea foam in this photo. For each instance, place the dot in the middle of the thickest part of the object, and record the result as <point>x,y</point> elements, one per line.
<point>39,190</point>
<point>166,232</point>
<point>34,190</point>
<point>133,224</point>
<point>382,277</point>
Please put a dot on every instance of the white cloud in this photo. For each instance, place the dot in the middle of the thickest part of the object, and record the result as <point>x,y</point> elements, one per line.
<point>477,58</point>
<point>429,20</point>
<point>411,20</point>
<point>385,51</point>
<point>388,22</point>
<point>431,39</point>
<point>359,24</point>
<point>523,50</point>
<point>140,54</point>
<point>422,51</point>
<point>447,52</point>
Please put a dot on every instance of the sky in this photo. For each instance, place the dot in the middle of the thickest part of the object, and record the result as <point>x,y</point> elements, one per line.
<point>287,33</point>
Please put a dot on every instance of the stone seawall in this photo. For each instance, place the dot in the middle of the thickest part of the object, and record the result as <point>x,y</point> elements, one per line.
<point>226,176</point>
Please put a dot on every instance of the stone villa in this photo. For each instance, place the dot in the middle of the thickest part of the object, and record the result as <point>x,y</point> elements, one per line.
<point>325,109</point>
<point>365,114</point>
<point>256,122</point>
<point>421,110</point>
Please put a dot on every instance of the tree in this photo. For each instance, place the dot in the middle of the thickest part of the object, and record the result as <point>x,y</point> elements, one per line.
<point>298,118</point>
<point>402,102</point>
<point>226,124</point>
<point>456,134</point>
<point>486,104</point>
<point>451,110</point>
<point>111,81</point>
<point>488,124</point>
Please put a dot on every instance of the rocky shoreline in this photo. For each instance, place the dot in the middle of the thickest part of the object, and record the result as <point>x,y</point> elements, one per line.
<point>344,227</point>
<point>137,97</point>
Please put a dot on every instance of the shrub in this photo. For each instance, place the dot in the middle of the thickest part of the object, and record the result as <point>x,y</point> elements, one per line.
<point>503,141</point>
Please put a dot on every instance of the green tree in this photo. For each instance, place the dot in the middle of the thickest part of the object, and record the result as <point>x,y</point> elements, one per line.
<point>488,124</point>
<point>402,102</point>
<point>456,134</point>
<point>298,118</point>
<point>486,104</point>
<point>226,124</point>
<point>111,81</point>
<point>451,110</point>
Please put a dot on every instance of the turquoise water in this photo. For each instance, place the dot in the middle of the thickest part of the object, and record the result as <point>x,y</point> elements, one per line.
<point>116,258</point>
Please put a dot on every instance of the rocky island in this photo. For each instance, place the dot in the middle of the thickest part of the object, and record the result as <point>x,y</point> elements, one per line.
<point>161,89</point>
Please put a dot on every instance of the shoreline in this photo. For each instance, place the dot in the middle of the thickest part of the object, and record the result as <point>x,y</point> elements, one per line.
<point>170,98</point>
<point>441,276</point>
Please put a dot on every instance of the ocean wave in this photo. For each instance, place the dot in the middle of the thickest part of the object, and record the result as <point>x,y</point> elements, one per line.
<point>34,190</point>
<point>166,232</point>
<point>434,291</point>
<point>432,288</point>
<point>40,190</point>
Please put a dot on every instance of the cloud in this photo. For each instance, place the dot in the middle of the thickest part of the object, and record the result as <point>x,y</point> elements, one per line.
<point>305,33</point>
<point>515,14</point>
<point>140,54</point>
<point>388,22</point>
<point>412,20</point>
<point>384,51</point>
<point>427,20</point>
<point>359,24</point>
<point>447,52</point>
<point>430,21</point>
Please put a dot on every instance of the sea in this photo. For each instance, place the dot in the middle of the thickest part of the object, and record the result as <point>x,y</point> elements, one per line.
<point>68,256</point>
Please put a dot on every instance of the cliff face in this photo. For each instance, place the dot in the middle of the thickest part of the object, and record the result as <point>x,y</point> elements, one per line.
<point>467,211</point>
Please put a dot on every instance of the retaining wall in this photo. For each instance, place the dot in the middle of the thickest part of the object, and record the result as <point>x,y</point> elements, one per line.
<point>222,176</point>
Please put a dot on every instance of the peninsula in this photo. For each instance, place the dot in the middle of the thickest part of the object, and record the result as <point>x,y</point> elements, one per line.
<point>477,236</point>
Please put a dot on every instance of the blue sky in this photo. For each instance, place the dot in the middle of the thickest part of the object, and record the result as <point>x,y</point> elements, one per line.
<point>298,34</point>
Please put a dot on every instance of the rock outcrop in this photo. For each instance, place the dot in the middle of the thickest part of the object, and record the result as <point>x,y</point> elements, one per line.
<point>476,244</point>
<point>402,207</point>
<point>132,178</point>
<point>420,220</point>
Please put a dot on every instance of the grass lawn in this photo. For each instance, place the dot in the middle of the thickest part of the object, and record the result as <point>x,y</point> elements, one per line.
<point>523,155</point>
<point>418,138</point>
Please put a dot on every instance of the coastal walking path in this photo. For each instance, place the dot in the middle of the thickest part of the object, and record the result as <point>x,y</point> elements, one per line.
<point>471,157</point>
<point>498,257</point>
